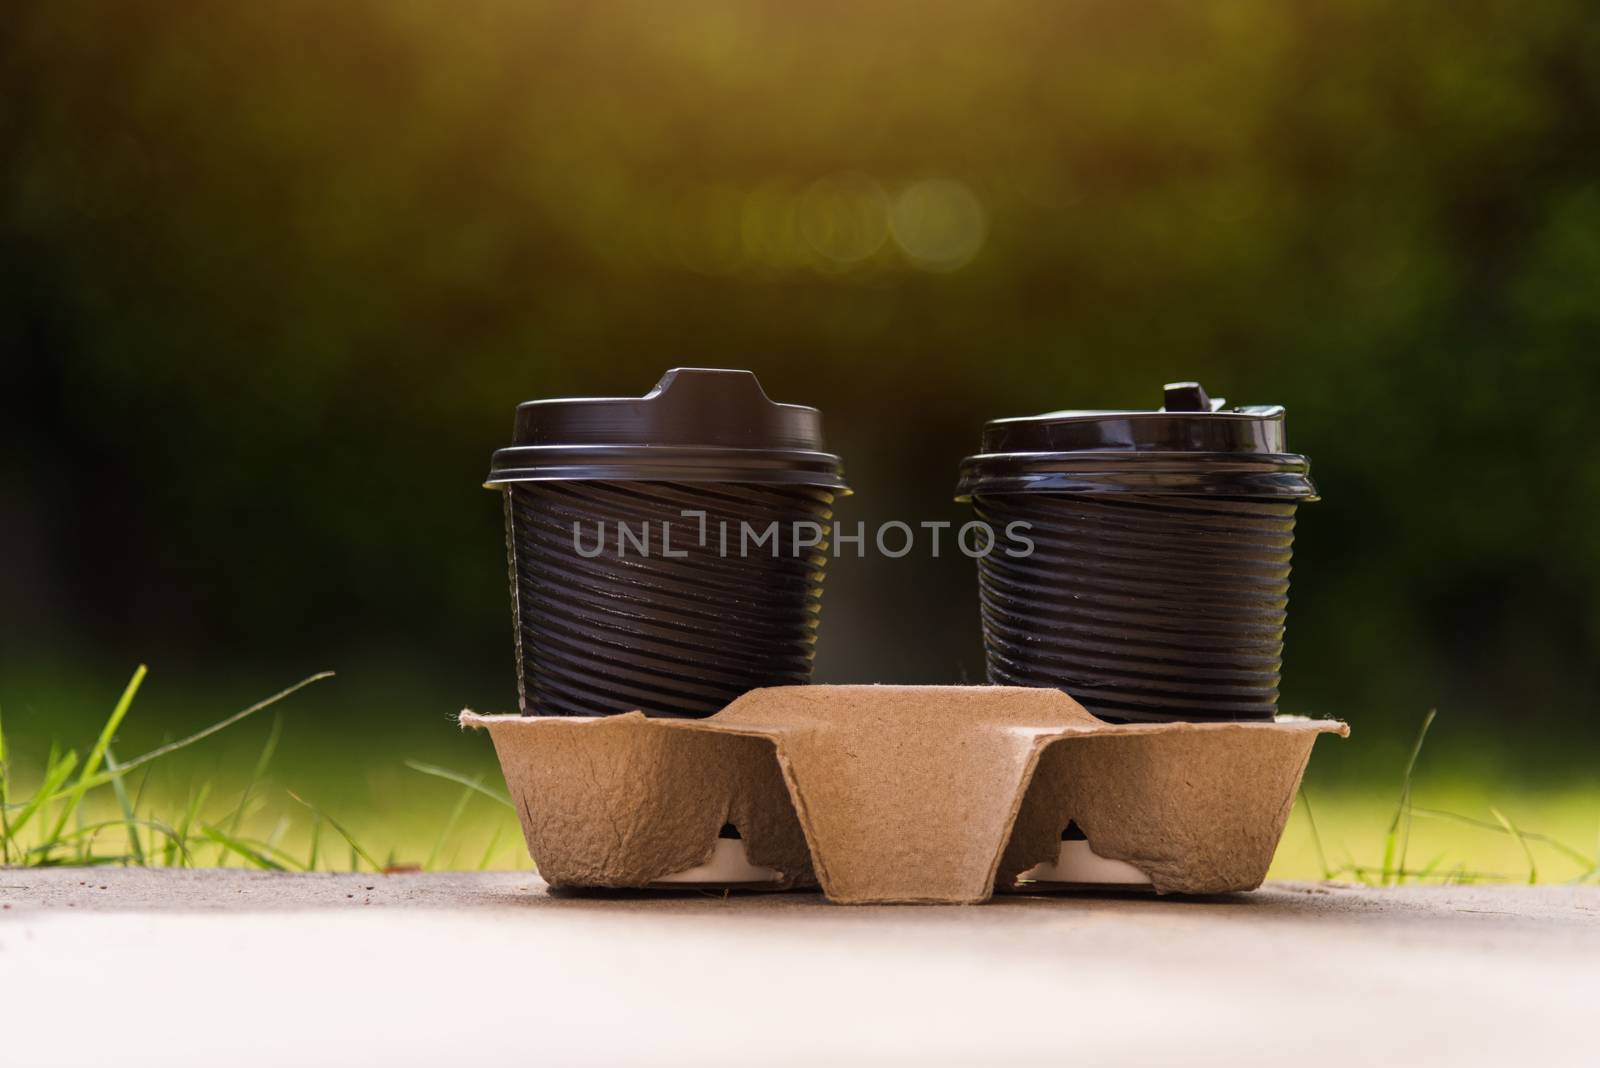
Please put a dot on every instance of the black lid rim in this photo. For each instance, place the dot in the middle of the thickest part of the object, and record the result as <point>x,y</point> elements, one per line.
<point>1252,412</point>
<point>578,403</point>
<point>658,463</point>
<point>1265,476</point>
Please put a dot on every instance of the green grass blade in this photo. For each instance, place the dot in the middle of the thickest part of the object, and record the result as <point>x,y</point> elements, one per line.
<point>76,836</point>
<point>1430,872</point>
<point>56,773</point>
<point>316,840</point>
<point>1316,839</point>
<point>97,754</point>
<point>176,849</point>
<point>95,861</point>
<point>1577,856</point>
<point>201,735</point>
<point>233,845</point>
<point>271,851</point>
<point>1511,829</point>
<point>1399,828</point>
<point>474,784</point>
<point>450,824</point>
<point>5,798</point>
<point>196,803</point>
<point>138,799</point>
<point>89,830</point>
<point>355,848</point>
<point>177,846</point>
<point>126,805</point>
<point>256,776</point>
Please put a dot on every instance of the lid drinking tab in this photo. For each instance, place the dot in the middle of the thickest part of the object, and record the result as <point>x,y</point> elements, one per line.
<point>1189,397</point>
<point>697,425</point>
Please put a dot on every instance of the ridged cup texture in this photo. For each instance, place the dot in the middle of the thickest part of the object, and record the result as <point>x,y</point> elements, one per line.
<point>673,636</point>
<point>1141,607</point>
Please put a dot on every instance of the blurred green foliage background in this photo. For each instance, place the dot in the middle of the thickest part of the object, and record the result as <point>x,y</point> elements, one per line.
<point>273,276</point>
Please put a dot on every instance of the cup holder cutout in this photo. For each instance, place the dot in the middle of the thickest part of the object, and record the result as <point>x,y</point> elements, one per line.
<point>1077,864</point>
<point>728,865</point>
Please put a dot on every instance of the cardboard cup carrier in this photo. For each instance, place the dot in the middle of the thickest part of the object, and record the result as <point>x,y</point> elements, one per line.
<point>916,794</point>
<point>874,794</point>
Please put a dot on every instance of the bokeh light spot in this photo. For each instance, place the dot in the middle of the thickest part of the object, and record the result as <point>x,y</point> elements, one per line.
<point>939,223</point>
<point>843,218</point>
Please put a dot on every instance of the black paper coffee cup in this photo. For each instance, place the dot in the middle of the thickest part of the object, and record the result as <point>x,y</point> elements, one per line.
<point>1158,581</point>
<point>666,552</point>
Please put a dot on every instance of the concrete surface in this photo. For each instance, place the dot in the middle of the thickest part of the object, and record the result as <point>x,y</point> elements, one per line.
<point>254,968</point>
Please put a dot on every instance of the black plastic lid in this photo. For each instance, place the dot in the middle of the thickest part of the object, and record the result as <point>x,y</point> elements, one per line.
<point>1191,446</point>
<point>697,425</point>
